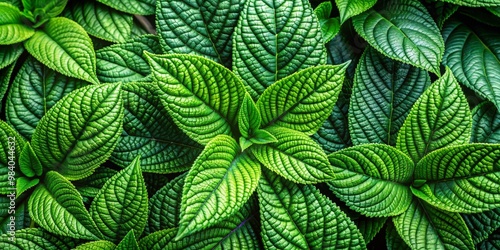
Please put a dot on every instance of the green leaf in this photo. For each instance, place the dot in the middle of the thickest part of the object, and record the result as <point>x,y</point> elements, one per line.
<point>416,43</point>
<point>150,132</point>
<point>165,206</point>
<point>5,75</point>
<point>18,218</point>
<point>482,225</point>
<point>384,92</point>
<point>125,62</point>
<point>369,227</point>
<point>9,54</point>
<point>204,28</point>
<point>12,28</point>
<point>11,144</point>
<point>101,21</point>
<point>393,240</point>
<point>44,8</point>
<point>329,26</point>
<point>80,131</point>
<point>90,185</point>
<point>494,10</point>
<point>425,227</point>
<point>442,12</point>
<point>271,43</point>
<point>23,184</point>
<point>304,100</point>
<point>261,136</point>
<point>97,245</point>
<point>248,117</point>
<point>128,242</point>
<point>139,7</point>
<point>294,156</point>
<point>440,117</point>
<point>474,3</point>
<point>473,55</point>
<point>36,238</point>
<point>372,179</point>
<point>461,178</point>
<point>67,215</point>
<point>204,105</point>
<point>65,47</point>
<point>485,123</point>
<point>122,204</point>
<point>300,217</point>
<point>350,8</point>
<point>29,163</point>
<point>219,183</point>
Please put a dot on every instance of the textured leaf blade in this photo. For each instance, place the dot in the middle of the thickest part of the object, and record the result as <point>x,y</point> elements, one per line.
<point>80,131</point>
<point>384,92</point>
<point>128,242</point>
<point>393,240</point>
<point>65,47</point>
<point>12,29</point>
<point>440,117</point>
<point>9,54</point>
<point>416,43</point>
<point>204,105</point>
<point>29,163</point>
<point>97,245</point>
<point>482,225</point>
<point>249,118</point>
<point>139,7</point>
<point>329,26</point>
<point>288,43</point>
<point>474,3</point>
<point>36,238</point>
<point>11,144</point>
<point>44,9</point>
<point>350,8</point>
<point>485,123</point>
<point>217,186</point>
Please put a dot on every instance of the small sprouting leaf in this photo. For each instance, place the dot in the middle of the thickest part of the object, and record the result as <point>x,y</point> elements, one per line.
<point>219,183</point>
<point>206,103</point>
<point>482,225</point>
<point>485,123</point>
<point>97,245</point>
<point>262,136</point>
<point>304,100</point>
<point>64,46</point>
<point>350,8</point>
<point>57,206</point>
<point>474,3</point>
<point>36,238</point>
<point>24,183</point>
<point>248,117</point>
<point>9,54</point>
<point>128,242</point>
<point>461,178</point>
<point>373,179</point>
<point>29,163</point>
<point>416,43</point>
<point>122,204</point>
<point>139,7</point>
<point>384,92</point>
<point>300,217</point>
<point>294,156</point>
<point>47,8</point>
<point>12,28</point>
<point>271,43</point>
<point>165,206</point>
<point>440,117</point>
<point>329,26</point>
<point>80,131</point>
<point>11,144</point>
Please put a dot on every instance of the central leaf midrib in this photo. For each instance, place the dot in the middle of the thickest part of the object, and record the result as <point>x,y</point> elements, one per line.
<point>243,223</point>
<point>209,34</point>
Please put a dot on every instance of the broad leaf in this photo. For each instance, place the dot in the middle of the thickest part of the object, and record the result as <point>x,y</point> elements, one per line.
<point>300,217</point>
<point>206,103</point>
<point>274,39</point>
<point>294,156</point>
<point>125,62</point>
<point>36,238</point>
<point>80,131</point>
<point>329,26</point>
<point>219,183</point>
<point>473,55</point>
<point>101,21</point>
<point>304,100</point>
<point>150,132</point>
<point>65,47</point>
<point>383,94</point>
<point>372,179</point>
<point>482,225</point>
<point>440,117</point>
<point>350,8</point>
<point>44,8</point>
<point>416,43</point>
<point>122,204</point>
<point>204,28</point>
<point>97,245</point>
<point>58,207</point>
<point>485,123</point>
<point>12,28</point>
<point>29,163</point>
<point>139,7</point>
<point>11,144</point>
<point>425,227</point>
<point>9,54</point>
<point>462,178</point>
<point>474,3</point>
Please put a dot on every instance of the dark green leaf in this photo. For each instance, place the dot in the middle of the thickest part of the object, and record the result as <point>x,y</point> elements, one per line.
<point>9,54</point>
<point>474,3</point>
<point>482,225</point>
<point>350,8</point>
<point>485,123</point>
<point>29,163</point>
<point>36,238</point>
<point>139,7</point>
<point>393,240</point>
<point>165,206</point>
<point>11,144</point>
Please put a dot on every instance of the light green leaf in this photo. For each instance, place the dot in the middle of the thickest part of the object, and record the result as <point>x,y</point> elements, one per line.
<point>300,217</point>
<point>128,242</point>
<point>12,28</point>
<point>204,105</point>
<point>461,178</point>
<point>122,204</point>
<point>304,100</point>
<point>383,94</point>
<point>274,39</point>
<point>204,28</point>
<point>393,240</point>
<point>482,225</point>
<point>101,21</point>
<point>165,206</point>
<point>329,26</point>
<point>23,184</point>
<point>440,117</point>
<point>97,245</point>
<point>248,117</point>
<point>29,163</point>
<point>485,123</point>
<point>350,8</point>
<point>474,3</point>
<point>474,57</point>
<point>11,144</point>
<point>425,227</point>
<point>219,183</point>
<point>80,131</point>
<point>139,7</point>
<point>294,156</point>
<point>125,62</point>
<point>58,207</point>
<point>9,54</point>
<point>261,136</point>
<point>416,43</point>
<point>36,238</point>
<point>43,9</point>
<point>65,47</point>
<point>372,179</point>
<point>150,132</point>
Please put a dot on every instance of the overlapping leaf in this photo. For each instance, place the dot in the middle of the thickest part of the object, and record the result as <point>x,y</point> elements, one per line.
<point>97,245</point>
<point>383,94</point>
<point>474,3</point>
<point>129,242</point>
<point>369,227</point>
<point>44,9</point>
<point>202,96</point>
<point>274,39</point>
<point>21,216</point>
<point>5,75</point>
<point>393,240</point>
<point>482,225</point>
<point>165,206</point>
<point>80,131</point>
<point>29,163</point>
<point>9,54</point>
<point>329,26</point>
<point>350,8</point>
<point>12,28</point>
<point>36,238</point>
<point>11,144</point>
<point>417,43</point>
<point>139,7</point>
<point>485,123</point>
<point>90,186</point>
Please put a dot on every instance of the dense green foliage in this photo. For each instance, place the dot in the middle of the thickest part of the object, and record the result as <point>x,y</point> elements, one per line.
<point>249,124</point>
